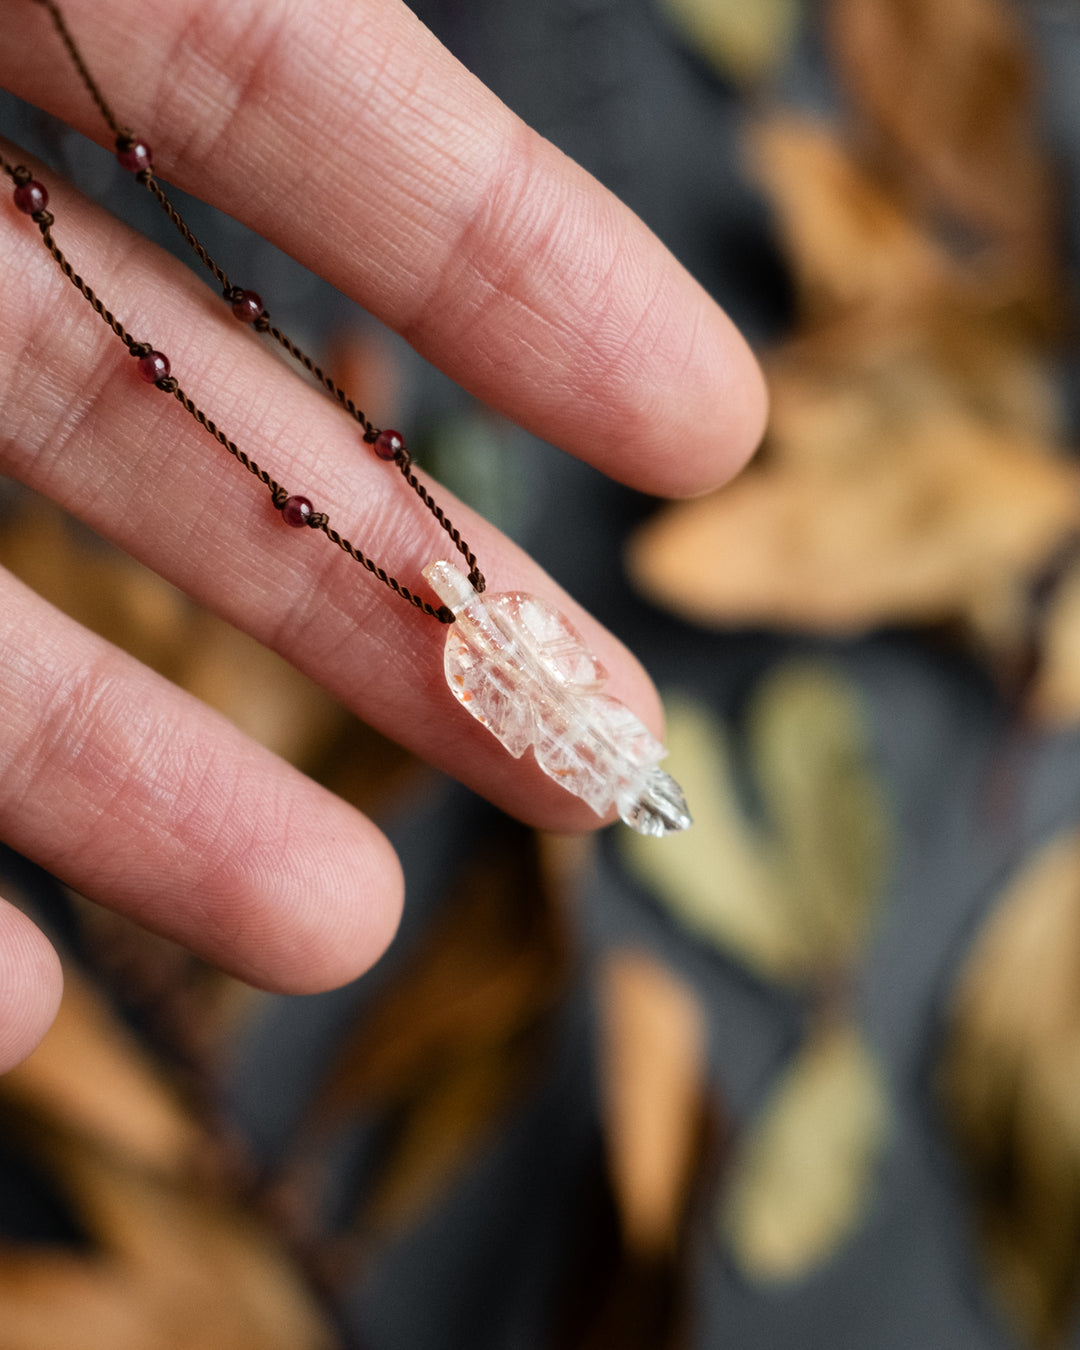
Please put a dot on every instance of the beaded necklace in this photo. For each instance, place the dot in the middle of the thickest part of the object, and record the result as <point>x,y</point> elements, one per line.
<point>513,661</point>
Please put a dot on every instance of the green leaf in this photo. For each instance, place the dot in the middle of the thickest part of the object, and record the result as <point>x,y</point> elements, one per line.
<point>830,819</point>
<point>745,39</point>
<point>803,1178</point>
<point>716,877</point>
<point>793,895</point>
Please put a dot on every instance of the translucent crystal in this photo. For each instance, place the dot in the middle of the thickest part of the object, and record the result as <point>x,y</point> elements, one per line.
<point>654,804</point>
<point>522,670</point>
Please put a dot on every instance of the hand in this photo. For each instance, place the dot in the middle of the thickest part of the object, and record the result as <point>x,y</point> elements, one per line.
<point>343,132</point>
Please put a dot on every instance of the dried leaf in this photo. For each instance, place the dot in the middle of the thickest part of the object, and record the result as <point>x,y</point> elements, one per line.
<point>717,878</point>
<point>188,1008</point>
<point>456,1037</point>
<point>870,256</point>
<point>794,894</point>
<point>174,1267</point>
<point>850,244</point>
<point>943,520</point>
<point>846,397</point>
<point>744,42</point>
<point>90,1072</point>
<point>803,1176</point>
<point>950,93</point>
<point>1008,1078</point>
<point>913,471</point>
<point>94,583</point>
<point>367,360</point>
<point>257,690</point>
<point>173,1262</point>
<point>652,1072</point>
<point>826,806</point>
<point>369,771</point>
<point>438,1133</point>
<point>1053,699</point>
<point>638,1221</point>
<point>624,1302</point>
<point>127,604</point>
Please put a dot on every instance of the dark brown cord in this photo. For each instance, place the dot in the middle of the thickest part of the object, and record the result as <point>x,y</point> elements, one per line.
<point>20,175</point>
<point>230,293</point>
<point>168,384</point>
<point>149,181</point>
<point>476,577</point>
<point>371,431</point>
<point>80,65</point>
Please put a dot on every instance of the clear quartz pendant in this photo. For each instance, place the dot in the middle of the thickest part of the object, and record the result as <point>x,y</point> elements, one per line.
<point>522,670</point>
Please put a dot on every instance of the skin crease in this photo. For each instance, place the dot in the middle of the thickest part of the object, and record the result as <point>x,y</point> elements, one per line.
<point>347,135</point>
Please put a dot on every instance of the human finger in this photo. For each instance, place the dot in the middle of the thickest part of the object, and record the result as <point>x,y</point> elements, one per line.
<point>30,986</point>
<point>139,796</point>
<point>77,424</point>
<point>349,136</point>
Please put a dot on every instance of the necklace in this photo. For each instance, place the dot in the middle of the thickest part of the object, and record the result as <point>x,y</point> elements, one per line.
<point>511,660</point>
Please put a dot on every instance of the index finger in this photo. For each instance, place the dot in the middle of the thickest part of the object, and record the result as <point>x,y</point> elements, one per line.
<point>348,136</point>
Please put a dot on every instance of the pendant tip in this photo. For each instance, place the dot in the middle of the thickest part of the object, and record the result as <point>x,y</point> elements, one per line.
<point>655,805</point>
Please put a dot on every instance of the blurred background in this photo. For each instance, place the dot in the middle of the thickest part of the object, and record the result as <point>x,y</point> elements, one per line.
<point>807,1076</point>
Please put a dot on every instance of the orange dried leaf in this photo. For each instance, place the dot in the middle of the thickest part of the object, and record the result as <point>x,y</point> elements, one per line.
<point>129,605</point>
<point>943,520</point>
<point>949,89</point>
<point>851,246</point>
<point>1053,699</point>
<point>174,1262</point>
<point>439,1134</point>
<point>174,1267</point>
<point>652,1074</point>
<point>912,471</point>
<point>257,690</point>
<point>456,1036</point>
<point>90,1072</point>
<point>94,583</point>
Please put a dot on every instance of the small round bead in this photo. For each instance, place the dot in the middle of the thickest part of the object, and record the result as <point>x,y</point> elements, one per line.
<point>134,156</point>
<point>248,306</point>
<point>153,366</point>
<point>388,443</point>
<point>31,197</point>
<point>296,511</point>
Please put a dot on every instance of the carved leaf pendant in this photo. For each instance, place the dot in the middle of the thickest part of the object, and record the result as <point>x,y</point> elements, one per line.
<point>522,670</point>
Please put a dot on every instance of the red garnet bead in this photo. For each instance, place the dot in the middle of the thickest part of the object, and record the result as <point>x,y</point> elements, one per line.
<point>388,444</point>
<point>296,511</point>
<point>248,306</point>
<point>134,155</point>
<point>31,197</point>
<point>153,366</point>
